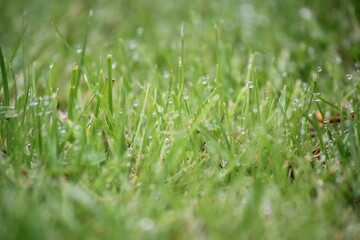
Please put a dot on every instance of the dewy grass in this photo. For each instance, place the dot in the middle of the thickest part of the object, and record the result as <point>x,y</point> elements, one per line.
<point>203,123</point>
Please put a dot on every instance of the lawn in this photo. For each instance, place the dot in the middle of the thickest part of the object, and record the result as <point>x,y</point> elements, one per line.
<point>188,119</point>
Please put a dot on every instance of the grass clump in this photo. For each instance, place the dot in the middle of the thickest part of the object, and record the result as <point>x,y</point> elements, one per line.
<point>180,120</point>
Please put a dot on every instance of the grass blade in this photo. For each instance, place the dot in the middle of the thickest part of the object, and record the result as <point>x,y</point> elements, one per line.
<point>5,83</point>
<point>72,96</point>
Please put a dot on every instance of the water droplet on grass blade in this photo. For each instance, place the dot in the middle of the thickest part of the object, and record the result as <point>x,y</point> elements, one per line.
<point>266,209</point>
<point>146,224</point>
<point>316,99</point>
<point>166,75</point>
<point>34,102</point>
<point>243,131</point>
<point>139,31</point>
<point>136,57</point>
<point>305,13</point>
<point>337,60</point>
<point>349,76</point>
<point>132,45</point>
<point>160,109</point>
<point>204,79</point>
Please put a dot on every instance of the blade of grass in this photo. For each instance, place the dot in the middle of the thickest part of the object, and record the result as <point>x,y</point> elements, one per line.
<point>5,83</point>
<point>72,95</point>
<point>82,60</point>
<point>110,97</point>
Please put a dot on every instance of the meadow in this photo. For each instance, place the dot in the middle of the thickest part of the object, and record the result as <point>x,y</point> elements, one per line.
<point>186,119</point>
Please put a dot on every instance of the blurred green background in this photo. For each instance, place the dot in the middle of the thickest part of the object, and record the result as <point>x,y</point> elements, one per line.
<point>301,33</point>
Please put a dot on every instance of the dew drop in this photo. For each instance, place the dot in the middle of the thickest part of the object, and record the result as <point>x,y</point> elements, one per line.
<point>136,57</point>
<point>132,45</point>
<point>139,31</point>
<point>337,60</point>
<point>349,76</point>
<point>305,13</point>
<point>204,79</point>
<point>34,102</point>
<point>160,109</point>
<point>166,75</point>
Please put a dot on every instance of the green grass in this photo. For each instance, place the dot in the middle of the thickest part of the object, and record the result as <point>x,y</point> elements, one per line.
<point>179,119</point>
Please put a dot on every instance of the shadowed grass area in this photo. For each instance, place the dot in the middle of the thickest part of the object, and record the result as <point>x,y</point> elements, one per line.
<point>179,119</point>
